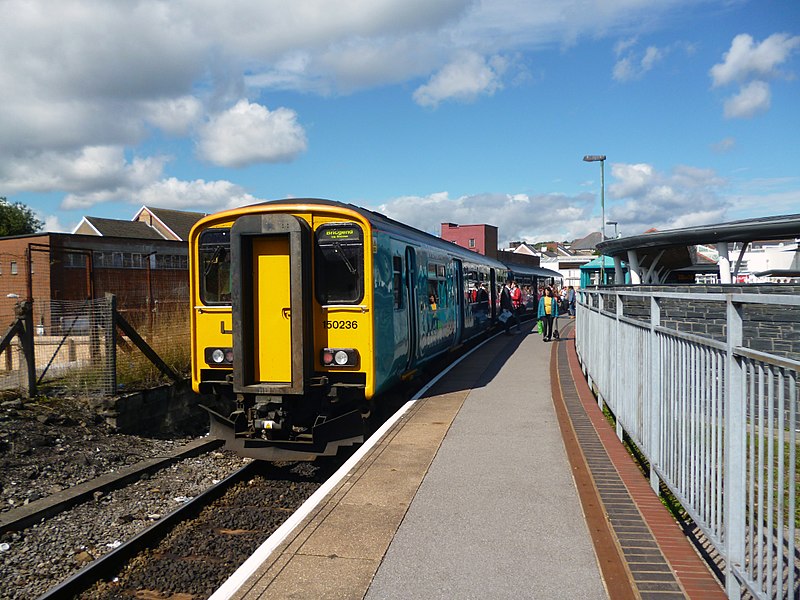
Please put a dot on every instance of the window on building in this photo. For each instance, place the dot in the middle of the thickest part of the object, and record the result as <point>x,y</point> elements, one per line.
<point>13,267</point>
<point>471,242</point>
<point>73,259</point>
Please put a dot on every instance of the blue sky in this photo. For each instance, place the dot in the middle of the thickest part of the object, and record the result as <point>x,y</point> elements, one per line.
<point>456,110</point>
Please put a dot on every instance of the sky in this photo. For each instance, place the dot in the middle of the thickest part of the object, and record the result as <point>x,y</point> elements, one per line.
<point>462,111</point>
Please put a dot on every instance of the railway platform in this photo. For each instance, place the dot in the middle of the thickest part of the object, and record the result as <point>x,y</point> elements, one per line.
<point>502,481</point>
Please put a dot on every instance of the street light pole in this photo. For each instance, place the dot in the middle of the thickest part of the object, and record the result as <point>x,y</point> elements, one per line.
<point>601,158</point>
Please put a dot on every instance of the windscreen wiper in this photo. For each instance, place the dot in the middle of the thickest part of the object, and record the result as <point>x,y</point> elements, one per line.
<point>347,263</point>
<point>219,254</point>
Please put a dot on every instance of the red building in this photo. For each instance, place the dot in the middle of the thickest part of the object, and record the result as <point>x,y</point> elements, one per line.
<point>478,238</point>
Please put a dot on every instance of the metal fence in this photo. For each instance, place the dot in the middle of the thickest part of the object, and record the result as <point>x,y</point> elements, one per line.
<point>717,421</point>
<point>71,329</point>
<point>91,348</point>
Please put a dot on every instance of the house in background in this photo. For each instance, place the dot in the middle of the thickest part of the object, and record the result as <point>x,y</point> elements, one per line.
<point>148,223</point>
<point>144,262</point>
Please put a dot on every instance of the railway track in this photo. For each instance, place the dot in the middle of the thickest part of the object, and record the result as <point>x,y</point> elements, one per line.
<point>194,549</point>
<point>34,512</point>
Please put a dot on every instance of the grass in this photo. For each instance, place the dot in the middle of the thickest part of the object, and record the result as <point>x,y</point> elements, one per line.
<point>677,510</point>
<point>169,337</point>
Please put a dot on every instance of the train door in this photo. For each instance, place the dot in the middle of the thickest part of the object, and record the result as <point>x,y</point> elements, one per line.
<point>461,303</point>
<point>493,293</point>
<point>270,259</point>
<point>413,309</point>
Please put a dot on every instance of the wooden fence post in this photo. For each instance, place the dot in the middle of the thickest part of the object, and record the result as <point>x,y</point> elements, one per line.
<point>110,387</point>
<point>24,312</point>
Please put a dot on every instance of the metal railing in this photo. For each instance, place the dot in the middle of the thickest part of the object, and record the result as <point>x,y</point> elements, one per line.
<point>717,421</point>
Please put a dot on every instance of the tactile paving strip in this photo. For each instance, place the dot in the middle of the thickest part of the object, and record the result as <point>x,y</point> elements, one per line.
<point>651,573</point>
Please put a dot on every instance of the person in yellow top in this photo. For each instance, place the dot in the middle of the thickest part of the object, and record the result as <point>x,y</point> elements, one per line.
<point>548,311</point>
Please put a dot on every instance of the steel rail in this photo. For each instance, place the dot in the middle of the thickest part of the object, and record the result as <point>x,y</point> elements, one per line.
<point>109,564</point>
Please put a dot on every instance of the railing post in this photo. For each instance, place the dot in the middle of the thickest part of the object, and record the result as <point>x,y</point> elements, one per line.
<point>620,411</point>
<point>597,349</point>
<point>734,476</point>
<point>655,394</point>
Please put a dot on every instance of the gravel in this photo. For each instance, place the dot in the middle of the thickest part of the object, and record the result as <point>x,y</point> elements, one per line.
<point>49,445</point>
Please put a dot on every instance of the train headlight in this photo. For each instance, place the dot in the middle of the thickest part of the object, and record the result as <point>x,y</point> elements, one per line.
<point>219,356</point>
<point>339,357</point>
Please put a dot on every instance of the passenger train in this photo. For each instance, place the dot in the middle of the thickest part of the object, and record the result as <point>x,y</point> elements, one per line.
<point>306,312</point>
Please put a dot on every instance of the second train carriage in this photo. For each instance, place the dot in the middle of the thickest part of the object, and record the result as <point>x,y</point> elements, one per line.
<point>306,311</point>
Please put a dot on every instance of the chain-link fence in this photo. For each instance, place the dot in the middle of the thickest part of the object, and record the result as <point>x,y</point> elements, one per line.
<point>76,345</point>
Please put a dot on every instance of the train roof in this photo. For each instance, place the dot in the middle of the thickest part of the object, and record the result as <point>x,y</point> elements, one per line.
<point>386,223</point>
<point>538,271</point>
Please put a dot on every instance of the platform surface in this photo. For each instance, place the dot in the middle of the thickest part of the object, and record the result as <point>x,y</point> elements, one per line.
<point>503,481</point>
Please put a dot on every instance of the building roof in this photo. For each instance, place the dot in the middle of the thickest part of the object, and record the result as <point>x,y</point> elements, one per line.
<point>180,222</point>
<point>120,228</point>
<point>605,262</point>
<point>587,243</point>
<point>747,230</point>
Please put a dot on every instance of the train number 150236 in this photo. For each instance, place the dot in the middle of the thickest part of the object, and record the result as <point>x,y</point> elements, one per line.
<point>340,324</point>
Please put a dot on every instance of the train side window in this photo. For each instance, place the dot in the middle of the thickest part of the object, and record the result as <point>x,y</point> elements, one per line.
<point>397,281</point>
<point>214,258</point>
<point>437,296</point>
<point>339,266</point>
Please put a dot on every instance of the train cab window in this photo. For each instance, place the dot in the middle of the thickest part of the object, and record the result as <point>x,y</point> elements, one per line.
<point>397,281</point>
<point>214,258</point>
<point>339,267</point>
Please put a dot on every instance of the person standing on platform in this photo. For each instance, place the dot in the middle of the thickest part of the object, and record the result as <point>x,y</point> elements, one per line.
<point>516,297</point>
<point>548,311</point>
<point>571,301</point>
<point>507,304</point>
<point>482,298</point>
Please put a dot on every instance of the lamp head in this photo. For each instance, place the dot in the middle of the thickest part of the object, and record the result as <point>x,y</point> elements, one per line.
<point>594,157</point>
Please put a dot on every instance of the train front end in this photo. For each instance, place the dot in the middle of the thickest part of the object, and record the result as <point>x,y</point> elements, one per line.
<point>282,326</point>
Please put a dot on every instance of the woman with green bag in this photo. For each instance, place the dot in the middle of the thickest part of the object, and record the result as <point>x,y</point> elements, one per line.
<point>548,311</point>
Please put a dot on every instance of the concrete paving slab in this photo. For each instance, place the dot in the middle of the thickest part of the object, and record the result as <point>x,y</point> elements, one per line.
<point>320,578</point>
<point>498,514</point>
<point>355,531</point>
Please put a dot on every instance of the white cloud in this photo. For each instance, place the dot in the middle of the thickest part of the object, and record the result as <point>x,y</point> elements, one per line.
<point>752,99</point>
<point>174,115</point>
<point>724,145</point>
<point>643,197</point>
<point>51,223</point>
<point>87,169</point>
<point>750,65</point>
<point>197,194</point>
<point>250,133</point>
<point>632,64</point>
<point>517,216</point>
<point>747,60</point>
<point>169,193</point>
<point>467,77</point>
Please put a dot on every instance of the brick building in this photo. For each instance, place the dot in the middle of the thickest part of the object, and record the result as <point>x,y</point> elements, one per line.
<point>478,238</point>
<point>59,266</point>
